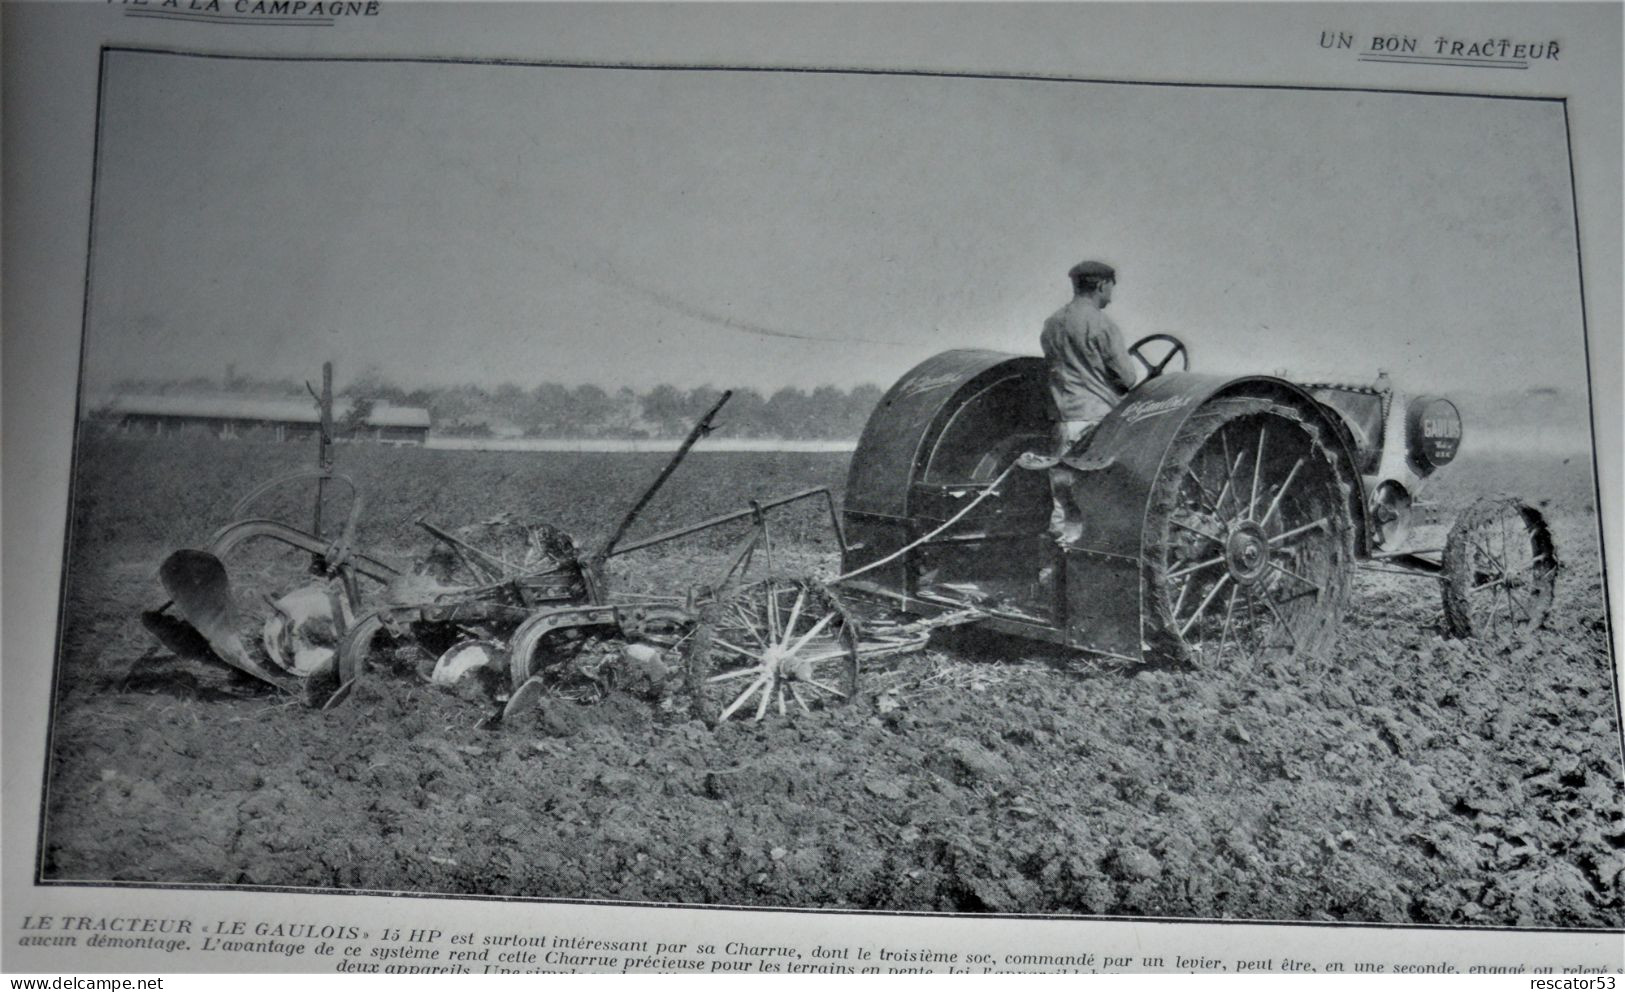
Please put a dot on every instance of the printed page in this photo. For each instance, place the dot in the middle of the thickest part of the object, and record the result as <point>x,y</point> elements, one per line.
<point>802,488</point>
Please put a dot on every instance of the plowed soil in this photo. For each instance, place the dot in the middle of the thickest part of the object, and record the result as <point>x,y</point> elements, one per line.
<point>1403,778</point>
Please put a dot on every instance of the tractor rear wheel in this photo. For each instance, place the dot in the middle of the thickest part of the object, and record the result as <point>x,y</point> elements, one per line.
<point>1500,568</point>
<point>1248,543</point>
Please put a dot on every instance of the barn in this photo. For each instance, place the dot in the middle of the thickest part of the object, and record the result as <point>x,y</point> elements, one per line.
<point>264,419</point>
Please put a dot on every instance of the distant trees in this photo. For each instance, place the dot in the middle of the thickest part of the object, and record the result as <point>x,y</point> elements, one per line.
<point>199,385</point>
<point>551,409</point>
<point>590,407</point>
<point>666,407</point>
<point>372,384</point>
<point>554,410</point>
<point>860,402</point>
<point>355,417</point>
<point>452,407</point>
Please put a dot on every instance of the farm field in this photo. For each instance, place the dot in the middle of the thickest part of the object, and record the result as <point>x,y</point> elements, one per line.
<point>1405,778</point>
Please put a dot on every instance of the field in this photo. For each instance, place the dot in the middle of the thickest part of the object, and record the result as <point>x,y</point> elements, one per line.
<point>1408,778</point>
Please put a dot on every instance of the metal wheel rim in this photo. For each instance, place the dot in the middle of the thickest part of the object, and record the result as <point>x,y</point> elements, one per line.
<point>1253,548</point>
<point>778,647</point>
<point>1501,569</point>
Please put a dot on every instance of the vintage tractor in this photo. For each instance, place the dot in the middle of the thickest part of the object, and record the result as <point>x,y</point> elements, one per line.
<point>1222,517</point>
<point>1222,520</point>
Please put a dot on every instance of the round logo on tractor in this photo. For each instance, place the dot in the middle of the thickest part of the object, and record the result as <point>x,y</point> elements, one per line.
<point>1435,431</point>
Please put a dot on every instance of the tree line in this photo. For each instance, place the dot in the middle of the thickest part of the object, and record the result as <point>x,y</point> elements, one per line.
<point>552,409</point>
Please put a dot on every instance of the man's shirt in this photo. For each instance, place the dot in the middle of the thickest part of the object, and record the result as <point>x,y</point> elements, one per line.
<point>1089,369</point>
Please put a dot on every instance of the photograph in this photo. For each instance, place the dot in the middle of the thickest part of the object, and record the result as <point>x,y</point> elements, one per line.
<point>911,492</point>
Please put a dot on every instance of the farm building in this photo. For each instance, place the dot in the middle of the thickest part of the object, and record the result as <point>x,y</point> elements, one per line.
<point>269,419</point>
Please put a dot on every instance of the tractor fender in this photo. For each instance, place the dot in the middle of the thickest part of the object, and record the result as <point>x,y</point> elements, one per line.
<point>951,411</point>
<point>1118,468</point>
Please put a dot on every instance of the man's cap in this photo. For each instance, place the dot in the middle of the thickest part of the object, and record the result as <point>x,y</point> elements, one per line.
<point>1093,270</point>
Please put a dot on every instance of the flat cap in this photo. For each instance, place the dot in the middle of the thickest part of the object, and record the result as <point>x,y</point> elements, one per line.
<point>1092,270</point>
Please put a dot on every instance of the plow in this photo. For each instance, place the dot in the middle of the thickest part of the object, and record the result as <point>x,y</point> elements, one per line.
<point>505,611</point>
<point>1223,521</point>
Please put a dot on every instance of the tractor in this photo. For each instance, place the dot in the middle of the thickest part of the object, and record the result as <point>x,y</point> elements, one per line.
<point>1222,516</point>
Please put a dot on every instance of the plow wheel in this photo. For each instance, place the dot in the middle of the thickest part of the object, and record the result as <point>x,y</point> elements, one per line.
<point>1248,542</point>
<point>778,647</point>
<point>1500,569</point>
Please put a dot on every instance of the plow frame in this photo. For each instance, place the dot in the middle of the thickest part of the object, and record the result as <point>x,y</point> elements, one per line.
<point>521,608</point>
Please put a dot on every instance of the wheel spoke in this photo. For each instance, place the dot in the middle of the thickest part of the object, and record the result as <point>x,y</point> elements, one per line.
<point>1295,575</point>
<point>1488,558</point>
<point>1258,466</point>
<point>735,648</point>
<point>1276,502</point>
<point>767,697</point>
<point>781,699</point>
<point>1310,594</point>
<point>795,614</point>
<point>1195,530</point>
<point>826,688</point>
<point>739,700</point>
<point>1198,566</point>
<point>1184,588</point>
<point>773,630</point>
<point>737,673</point>
<point>1229,475</point>
<point>1511,613</point>
<point>820,658</point>
<point>809,635</point>
<point>1294,532</point>
<point>1250,626</point>
<point>749,624</point>
<point>1252,623</point>
<point>1282,621</point>
<point>1229,612</point>
<point>1202,491</point>
<point>795,690</point>
<point>1203,604</point>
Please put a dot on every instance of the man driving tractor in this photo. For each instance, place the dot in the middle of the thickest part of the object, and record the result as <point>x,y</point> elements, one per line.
<point>1089,371</point>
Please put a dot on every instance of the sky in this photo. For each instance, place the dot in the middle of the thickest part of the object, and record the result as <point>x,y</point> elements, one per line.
<point>457,223</point>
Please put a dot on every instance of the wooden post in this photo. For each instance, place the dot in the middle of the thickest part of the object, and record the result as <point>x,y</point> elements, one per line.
<point>324,442</point>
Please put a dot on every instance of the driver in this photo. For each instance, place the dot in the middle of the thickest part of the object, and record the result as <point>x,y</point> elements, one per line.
<point>1089,371</point>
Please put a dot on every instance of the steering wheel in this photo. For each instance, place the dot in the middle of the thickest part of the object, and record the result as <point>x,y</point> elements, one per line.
<point>1176,349</point>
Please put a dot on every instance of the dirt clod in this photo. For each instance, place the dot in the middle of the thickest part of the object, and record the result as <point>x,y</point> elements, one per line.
<point>1133,864</point>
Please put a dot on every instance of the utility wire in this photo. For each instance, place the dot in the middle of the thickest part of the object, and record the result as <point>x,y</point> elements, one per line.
<point>604,272</point>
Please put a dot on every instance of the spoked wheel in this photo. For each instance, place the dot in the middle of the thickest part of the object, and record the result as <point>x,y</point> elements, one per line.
<point>778,646</point>
<point>1500,569</point>
<point>1248,542</point>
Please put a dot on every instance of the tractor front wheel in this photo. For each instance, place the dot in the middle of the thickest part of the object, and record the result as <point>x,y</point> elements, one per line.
<point>1500,569</point>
